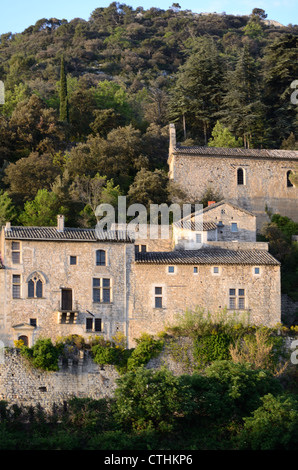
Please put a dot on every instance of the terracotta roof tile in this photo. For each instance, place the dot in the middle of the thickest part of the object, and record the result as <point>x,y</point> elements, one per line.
<point>237,152</point>
<point>68,234</point>
<point>208,256</point>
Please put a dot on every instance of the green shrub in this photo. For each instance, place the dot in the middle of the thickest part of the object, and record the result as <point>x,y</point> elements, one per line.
<point>43,355</point>
<point>212,347</point>
<point>272,426</point>
<point>147,348</point>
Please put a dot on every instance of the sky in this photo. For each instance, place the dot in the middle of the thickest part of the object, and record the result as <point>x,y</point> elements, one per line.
<point>17,15</point>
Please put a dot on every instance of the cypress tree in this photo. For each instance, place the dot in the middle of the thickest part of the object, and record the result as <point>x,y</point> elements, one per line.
<point>64,114</point>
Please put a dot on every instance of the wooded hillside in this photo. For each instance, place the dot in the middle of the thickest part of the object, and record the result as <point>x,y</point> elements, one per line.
<point>88,103</point>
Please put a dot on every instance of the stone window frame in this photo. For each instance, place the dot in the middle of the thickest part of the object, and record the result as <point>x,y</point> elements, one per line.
<point>237,227</point>
<point>98,260</point>
<point>214,273</point>
<point>161,295</point>
<point>170,271</point>
<point>257,274</point>
<point>237,298</point>
<point>289,183</point>
<point>16,252</point>
<point>101,288</point>
<point>36,277</point>
<point>243,176</point>
<point>16,284</point>
<point>93,322</point>
<point>141,248</point>
<point>73,258</point>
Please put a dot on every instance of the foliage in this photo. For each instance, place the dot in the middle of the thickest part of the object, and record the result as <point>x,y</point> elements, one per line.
<point>42,211</point>
<point>147,348</point>
<point>147,399</point>
<point>114,352</point>
<point>222,137</point>
<point>272,426</point>
<point>43,354</point>
<point>215,346</point>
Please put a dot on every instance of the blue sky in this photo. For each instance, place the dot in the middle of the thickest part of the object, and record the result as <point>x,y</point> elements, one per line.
<point>17,15</point>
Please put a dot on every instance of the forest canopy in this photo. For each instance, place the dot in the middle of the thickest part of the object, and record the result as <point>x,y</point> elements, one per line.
<point>86,98</point>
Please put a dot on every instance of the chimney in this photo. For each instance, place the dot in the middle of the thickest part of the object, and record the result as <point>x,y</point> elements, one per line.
<point>172,137</point>
<point>7,226</point>
<point>60,223</point>
<point>210,203</point>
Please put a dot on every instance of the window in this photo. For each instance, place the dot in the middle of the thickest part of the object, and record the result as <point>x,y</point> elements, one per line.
<point>93,324</point>
<point>257,270</point>
<point>35,287</point>
<point>15,252</point>
<point>171,269</point>
<point>89,324</point>
<point>72,260</point>
<point>102,290</point>
<point>215,270</point>
<point>240,176</point>
<point>33,322</point>
<point>100,258</point>
<point>158,297</point>
<point>16,286</point>
<point>195,270</point>
<point>234,227</point>
<point>289,182</point>
<point>236,299</point>
<point>198,238</point>
<point>140,248</point>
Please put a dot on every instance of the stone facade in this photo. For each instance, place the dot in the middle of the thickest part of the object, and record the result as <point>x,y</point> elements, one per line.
<point>78,295</point>
<point>57,281</point>
<point>213,287</point>
<point>253,179</point>
<point>27,386</point>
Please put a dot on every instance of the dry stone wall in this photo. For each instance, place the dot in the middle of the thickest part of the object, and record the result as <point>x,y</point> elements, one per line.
<point>24,385</point>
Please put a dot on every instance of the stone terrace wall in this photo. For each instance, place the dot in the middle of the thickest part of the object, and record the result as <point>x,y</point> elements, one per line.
<point>24,385</point>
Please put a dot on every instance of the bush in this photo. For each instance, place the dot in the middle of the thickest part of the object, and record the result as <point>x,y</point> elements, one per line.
<point>212,347</point>
<point>273,426</point>
<point>43,355</point>
<point>147,348</point>
<point>150,400</point>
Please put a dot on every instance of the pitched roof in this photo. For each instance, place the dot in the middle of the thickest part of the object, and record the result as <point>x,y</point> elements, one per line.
<point>234,206</point>
<point>68,234</point>
<point>237,152</point>
<point>208,256</point>
<point>190,223</point>
<point>193,225</point>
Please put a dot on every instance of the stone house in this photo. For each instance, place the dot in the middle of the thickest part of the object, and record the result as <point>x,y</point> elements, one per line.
<point>217,267</point>
<point>57,281</point>
<point>255,179</point>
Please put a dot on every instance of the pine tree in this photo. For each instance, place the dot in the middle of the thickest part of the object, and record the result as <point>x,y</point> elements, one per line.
<point>243,109</point>
<point>196,96</point>
<point>64,113</point>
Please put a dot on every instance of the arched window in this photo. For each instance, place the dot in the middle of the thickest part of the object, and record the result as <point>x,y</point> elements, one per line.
<point>240,176</point>
<point>35,287</point>
<point>100,258</point>
<point>289,182</point>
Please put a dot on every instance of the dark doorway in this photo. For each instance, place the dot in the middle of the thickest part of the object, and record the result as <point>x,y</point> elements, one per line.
<point>24,339</point>
<point>66,299</point>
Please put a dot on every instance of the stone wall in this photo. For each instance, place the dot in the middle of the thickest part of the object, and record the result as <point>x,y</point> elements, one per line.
<point>51,261</point>
<point>185,289</point>
<point>265,182</point>
<point>24,385</point>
